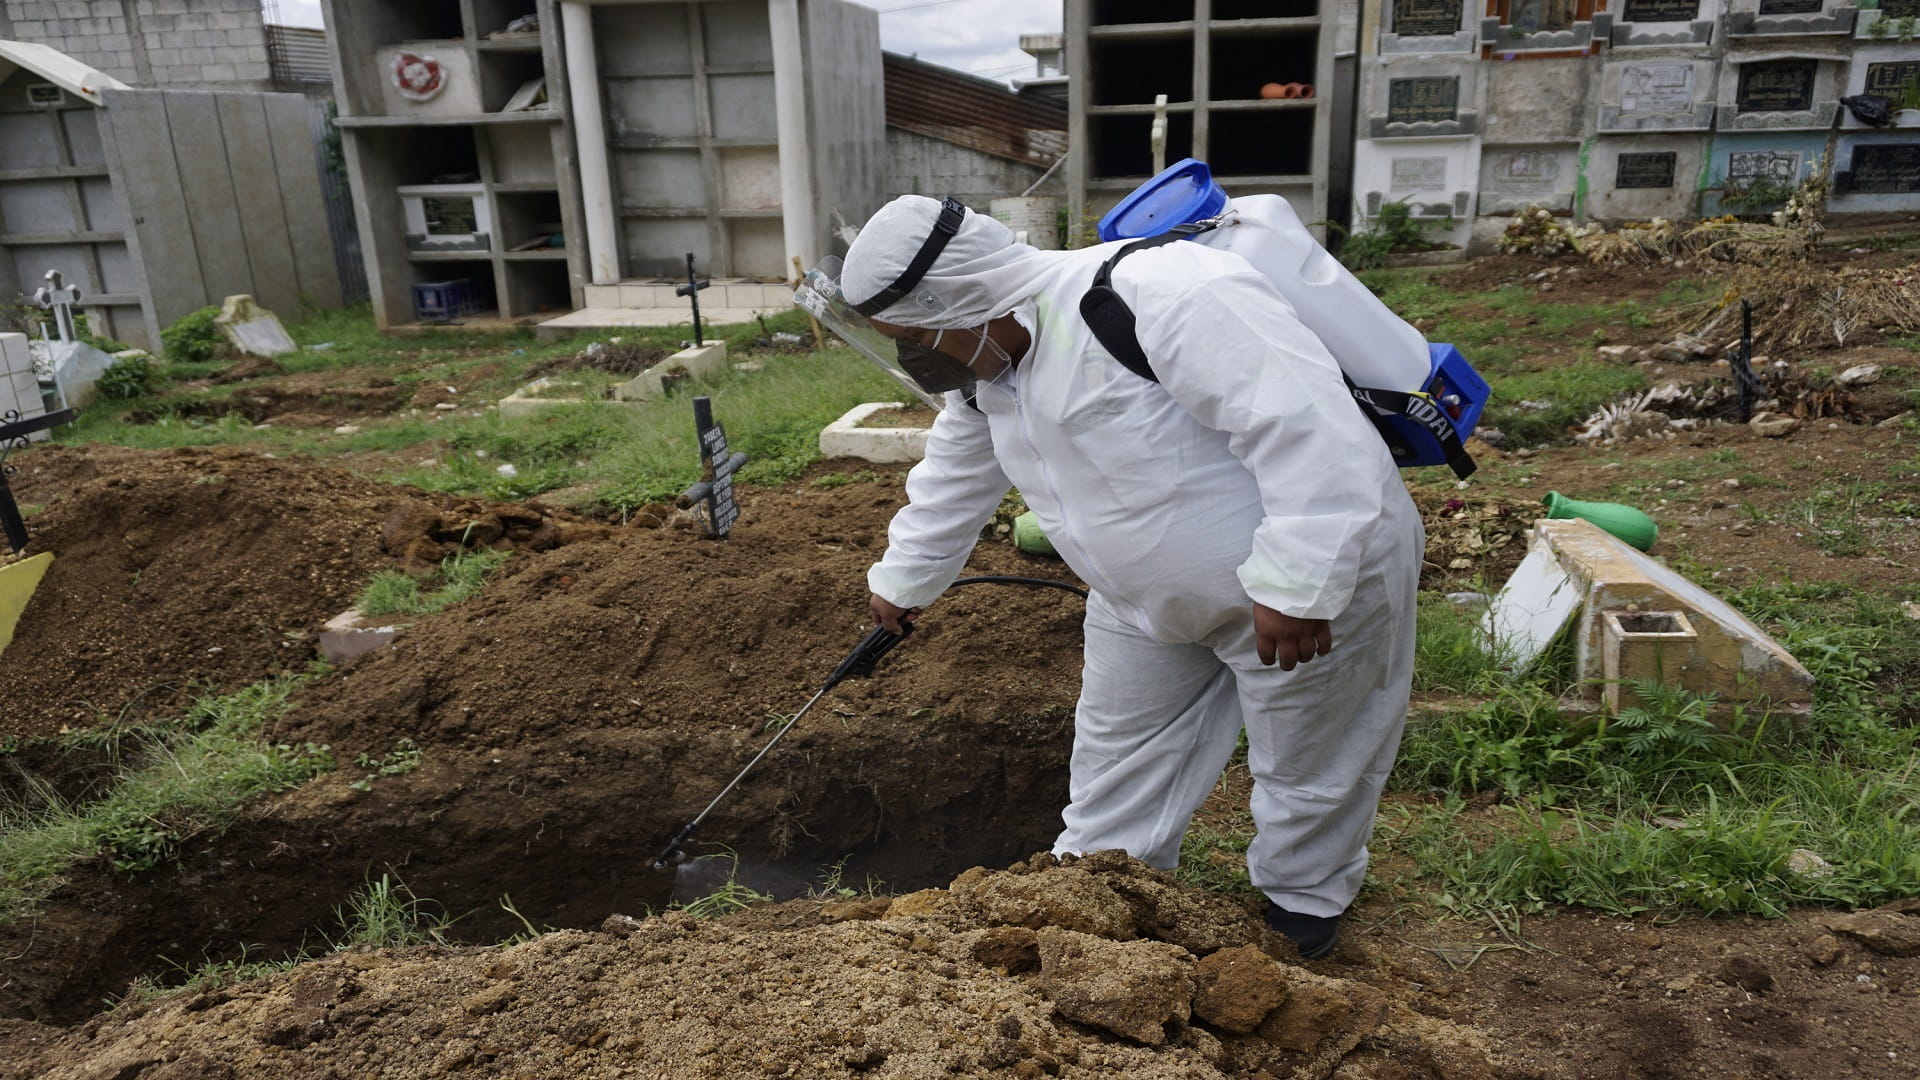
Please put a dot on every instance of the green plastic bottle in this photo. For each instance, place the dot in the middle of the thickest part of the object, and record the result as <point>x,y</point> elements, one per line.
<point>1629,525</point>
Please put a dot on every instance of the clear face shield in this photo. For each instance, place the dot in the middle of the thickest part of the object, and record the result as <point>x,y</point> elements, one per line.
<point>930,363</point>
<point>927,376</point>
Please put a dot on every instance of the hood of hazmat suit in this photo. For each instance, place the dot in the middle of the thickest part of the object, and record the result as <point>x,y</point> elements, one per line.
<point>1246,474</point>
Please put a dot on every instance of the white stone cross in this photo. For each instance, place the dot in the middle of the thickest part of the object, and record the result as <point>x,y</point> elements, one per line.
<point>60,298</point>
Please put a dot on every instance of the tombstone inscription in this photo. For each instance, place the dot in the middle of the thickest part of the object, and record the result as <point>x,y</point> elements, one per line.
<point>1426,18</point>
<point>1419,173</point>
<point>1776,86</point>
<point>712,497</point>
<point>1791,7</point>
<point>1423,99</point>
<point>1656,89</point>
<point>1649,169</point>
<point>1653,11</point>
<point>1892,78</point>
<point>1782,166</point>
<point>1886,169</point>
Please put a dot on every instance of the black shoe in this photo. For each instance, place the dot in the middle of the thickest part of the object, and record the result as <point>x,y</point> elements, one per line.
<point>1314,934</point>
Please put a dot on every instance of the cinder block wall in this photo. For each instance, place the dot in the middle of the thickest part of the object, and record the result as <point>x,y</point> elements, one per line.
<point>156,43</point>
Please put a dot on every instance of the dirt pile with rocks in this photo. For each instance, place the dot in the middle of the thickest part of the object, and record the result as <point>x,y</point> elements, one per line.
<point>1089,967</point>
<point>183,572</point>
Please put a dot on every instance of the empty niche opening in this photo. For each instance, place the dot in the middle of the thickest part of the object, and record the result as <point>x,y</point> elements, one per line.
<point>1652,622</point>
<point>526,217</point>
<point>1122,12</point>
<point>397,23</point>
<point>431,155</point>
<point>1131,72</point>
<point>1264,9</point>
<point>1122,145</point>
<point>1266,142</point>
<point>1243,63</point>
<point>539,288</point>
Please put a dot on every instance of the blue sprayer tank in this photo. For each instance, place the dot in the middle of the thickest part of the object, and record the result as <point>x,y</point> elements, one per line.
<point>1373,346</point>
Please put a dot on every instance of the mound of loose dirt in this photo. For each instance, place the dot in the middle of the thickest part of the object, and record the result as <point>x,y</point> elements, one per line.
<point>182,572</point>
<point>1091,967</point>
<point>624,358</point>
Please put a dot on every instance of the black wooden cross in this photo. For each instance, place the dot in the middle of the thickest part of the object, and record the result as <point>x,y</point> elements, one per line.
<point>13,436</point>
<point>714,492</point>
<point>691,290</point>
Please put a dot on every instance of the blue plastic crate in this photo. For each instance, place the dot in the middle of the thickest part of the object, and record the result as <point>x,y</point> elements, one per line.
<point>434,301</point>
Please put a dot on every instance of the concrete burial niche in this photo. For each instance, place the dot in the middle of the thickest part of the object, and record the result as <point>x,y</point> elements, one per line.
<point>156,203</point>
<point>1633,618</point>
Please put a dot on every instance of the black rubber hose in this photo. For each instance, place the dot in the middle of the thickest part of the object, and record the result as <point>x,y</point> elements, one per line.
<point>1038,583</point>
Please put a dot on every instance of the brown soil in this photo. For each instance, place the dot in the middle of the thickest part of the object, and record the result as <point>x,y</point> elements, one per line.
<point>912,416</point>
<point>613,358</point>
<point>193,571</point>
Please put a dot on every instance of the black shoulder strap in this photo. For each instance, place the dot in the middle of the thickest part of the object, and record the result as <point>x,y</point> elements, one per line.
<point>1111,321</point>
<point>1109,317</point>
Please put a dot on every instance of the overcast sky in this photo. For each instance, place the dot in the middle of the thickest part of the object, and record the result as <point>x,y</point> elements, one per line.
<point>981,36</point>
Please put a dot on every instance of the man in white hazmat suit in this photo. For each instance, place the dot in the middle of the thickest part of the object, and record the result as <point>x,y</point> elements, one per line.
<point>1252,553</point>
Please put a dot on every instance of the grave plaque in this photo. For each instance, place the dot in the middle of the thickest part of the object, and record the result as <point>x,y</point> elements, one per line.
<point>1652,11</point>
<point>1886,169</point>
<point>1426,18</point>
<point>1782,166</point>
<point>1427,99</point>
<point>1524,170</point>
<point>1645,170</point>
<point>1656,89</point>
<point>1538,16</point>
<point>1892,77</point>
<point>1791,7</point>
<point>1776,86</point>
<point>1419,173</point>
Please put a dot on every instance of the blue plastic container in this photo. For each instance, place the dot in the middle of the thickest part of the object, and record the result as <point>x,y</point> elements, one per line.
<point>1460,393</point>
<point>435,301</point>
<point>1184,192</point>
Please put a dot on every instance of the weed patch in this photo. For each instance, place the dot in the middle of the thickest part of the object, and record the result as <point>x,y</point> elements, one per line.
<point>189,781</point>
<point>459,577</point>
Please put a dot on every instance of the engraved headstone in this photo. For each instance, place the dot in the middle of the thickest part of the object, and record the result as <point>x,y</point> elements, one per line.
<point>1791,7</point>
<point>1419,173</point>
<point>252,329</point>
<point>1893,77</point>
<point>1426,18</point>
<point>1652,169</point>
<point>1886,169</point>
<point>1656,89</point>
<point>1653,11</point>
<point>1782,166</point>
<point>1524,170</point>
<point>1423,99</point>
<point>1776,86</point>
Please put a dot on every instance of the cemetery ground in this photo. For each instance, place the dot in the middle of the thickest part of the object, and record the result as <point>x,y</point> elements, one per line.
<point>220,857</point>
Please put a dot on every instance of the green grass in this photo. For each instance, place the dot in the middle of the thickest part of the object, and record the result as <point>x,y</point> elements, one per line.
<point>1570,394</point>
<point>1450,653</point>
<point>1657,809</point>
<point>385,914</point>
<point>459,577</point>
<point>188,781</point>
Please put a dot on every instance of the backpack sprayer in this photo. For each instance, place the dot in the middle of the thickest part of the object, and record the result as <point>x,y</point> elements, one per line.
<point>1424,399</point>
<point>861,662</point>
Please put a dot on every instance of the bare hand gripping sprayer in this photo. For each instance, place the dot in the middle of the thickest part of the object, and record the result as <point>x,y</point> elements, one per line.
<point>1425,399</point>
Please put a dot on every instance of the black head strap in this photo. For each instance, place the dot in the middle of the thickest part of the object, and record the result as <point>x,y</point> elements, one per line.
<point>952,212</point>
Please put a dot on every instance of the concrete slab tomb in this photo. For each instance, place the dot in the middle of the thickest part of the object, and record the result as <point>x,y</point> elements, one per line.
<point>1635,619</point>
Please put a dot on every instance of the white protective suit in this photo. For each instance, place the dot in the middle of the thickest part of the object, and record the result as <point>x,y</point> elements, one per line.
<point>1246,474</point>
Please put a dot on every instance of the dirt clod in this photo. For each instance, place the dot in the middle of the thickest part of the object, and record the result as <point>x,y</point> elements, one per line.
<point>1237,989</point>
<point>1746,973</point>
<point>1131,988</point>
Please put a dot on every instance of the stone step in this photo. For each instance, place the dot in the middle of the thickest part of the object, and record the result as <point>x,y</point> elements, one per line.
<point>619,318</point>
<point>722,295</point>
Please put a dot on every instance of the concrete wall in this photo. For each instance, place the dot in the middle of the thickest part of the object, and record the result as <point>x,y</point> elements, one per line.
<point>211,43</point>
<point>847,120</point>
<point>224,193</point>
<point>921,165</point>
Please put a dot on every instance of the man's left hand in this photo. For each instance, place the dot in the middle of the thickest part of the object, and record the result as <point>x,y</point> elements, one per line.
<point>1287,641</point>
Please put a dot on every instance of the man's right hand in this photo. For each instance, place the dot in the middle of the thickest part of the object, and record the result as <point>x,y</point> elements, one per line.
<point>889,615</point>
